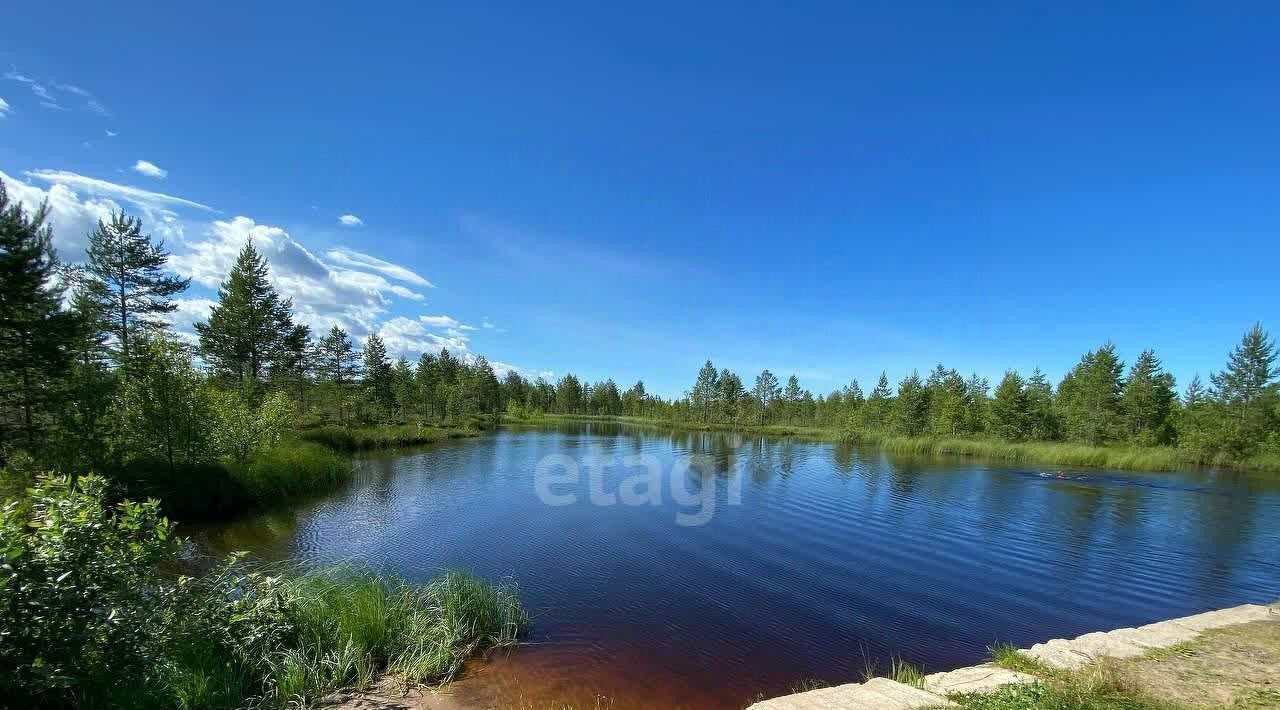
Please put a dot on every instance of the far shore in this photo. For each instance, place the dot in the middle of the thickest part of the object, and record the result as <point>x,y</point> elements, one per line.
<point>1055,453</point>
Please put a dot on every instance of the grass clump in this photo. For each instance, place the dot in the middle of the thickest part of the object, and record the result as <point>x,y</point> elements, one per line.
<point>342,438</point>
<point>1098,687</point>
<point>1007,656</point>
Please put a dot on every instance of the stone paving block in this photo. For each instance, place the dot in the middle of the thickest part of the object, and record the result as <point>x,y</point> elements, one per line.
<point>875,694</point>
<point>974,679</point>
<point>1242,614</point>
<point>1057,654</point>
<point>1099,643</point>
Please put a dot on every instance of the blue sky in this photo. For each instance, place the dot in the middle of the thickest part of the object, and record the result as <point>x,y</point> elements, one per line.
<point>826,189</point>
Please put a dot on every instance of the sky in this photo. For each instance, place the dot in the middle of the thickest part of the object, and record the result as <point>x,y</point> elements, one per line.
<point>829,190</point>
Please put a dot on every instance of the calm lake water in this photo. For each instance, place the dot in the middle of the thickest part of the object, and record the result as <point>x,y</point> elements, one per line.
<point>830,559</point>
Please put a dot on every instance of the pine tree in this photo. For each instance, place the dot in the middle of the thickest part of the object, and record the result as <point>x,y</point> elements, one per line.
<point>338,365</point>
<point>125,277</point>
<point>791,398</point>
<point>976,402</point>
<point>1251,368</point>
<point>1089,396</point>
<point>911,409</point>
<point>35,333</point>
<point>1010,410</point>
<point>245,330</point>
<point>874,415</point>
<point>705,390</point>
<point>1148,400</point>
<point>1043,420</point>
<point>766,392</point>
<point>84,427</point>
<point>377,374</point>
<point>731,394</point>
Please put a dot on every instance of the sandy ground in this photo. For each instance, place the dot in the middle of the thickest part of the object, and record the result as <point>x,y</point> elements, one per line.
<point>1236,667</point>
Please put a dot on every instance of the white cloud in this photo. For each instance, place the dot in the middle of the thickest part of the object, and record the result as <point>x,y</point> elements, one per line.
<point>347,257</point>
<point>4,108</point>
<point>487,325</point>
<point>413,336</point>
<point>49,100</point>
<point>150,169</point>
<point>136,195</point>
<point>342,287</point>
<point>324,293</point>
<point>111,133</point>
<point>70,216</point>
<point>351,220</point>
<point>190,311</point>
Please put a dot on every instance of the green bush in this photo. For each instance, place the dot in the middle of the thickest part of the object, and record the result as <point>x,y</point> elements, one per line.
<point>89,619</point>
<point>80,584</point>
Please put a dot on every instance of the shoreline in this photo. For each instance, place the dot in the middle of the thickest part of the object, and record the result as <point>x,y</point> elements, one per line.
<point>1056,453</point>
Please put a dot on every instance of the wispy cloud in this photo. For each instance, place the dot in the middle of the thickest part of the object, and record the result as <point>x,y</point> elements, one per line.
<point>150,169</point>
<point>112,134</point>
<point>49,99</point>
<point>4,108</point>
<point>347,257</point>
<point>351,220</point>
<point>97,186</point>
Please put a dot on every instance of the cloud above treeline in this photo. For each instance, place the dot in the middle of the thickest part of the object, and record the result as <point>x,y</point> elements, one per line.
<point>340,286</point>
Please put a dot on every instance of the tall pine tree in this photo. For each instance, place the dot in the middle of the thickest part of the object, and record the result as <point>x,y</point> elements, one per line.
<point>125,278</point>
<point>35,333</point>
<point>247,328</point>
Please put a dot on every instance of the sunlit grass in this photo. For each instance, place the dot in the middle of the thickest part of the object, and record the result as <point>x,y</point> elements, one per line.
<point>343,438</point>
<point>1008,656</point>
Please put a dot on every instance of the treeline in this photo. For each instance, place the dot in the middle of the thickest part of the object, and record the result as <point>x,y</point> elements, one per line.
<point>92,378</point>
<point>1234,418</point>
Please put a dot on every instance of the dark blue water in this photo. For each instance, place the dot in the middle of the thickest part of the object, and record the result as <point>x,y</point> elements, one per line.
<point>831,559</point>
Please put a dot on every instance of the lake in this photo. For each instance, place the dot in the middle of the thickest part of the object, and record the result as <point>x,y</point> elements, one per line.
<point>700,570</point>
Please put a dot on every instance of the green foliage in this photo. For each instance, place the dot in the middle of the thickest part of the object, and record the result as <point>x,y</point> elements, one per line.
<point>35,333</point>
<point>1090,395</point>
<point>125,280</point>
<point>92,621</point>
<point>165,408</point>
<point>242,431</point>
<point>80,582</point>
<point>245,331</point>
<point>1011,409</point>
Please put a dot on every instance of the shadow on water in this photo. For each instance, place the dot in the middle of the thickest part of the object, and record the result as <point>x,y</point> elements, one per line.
<point>833,556</point>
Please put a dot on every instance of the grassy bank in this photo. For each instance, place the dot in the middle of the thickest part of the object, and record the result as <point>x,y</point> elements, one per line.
<point>282,473</point>
<point>95,618</point>
<point>1154,458</point>
<point>342,627</point>
<point>350,439</point>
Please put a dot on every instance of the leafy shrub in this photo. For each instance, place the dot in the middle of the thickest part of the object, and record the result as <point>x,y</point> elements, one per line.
<point>88,619</point>
<point>79,585</point>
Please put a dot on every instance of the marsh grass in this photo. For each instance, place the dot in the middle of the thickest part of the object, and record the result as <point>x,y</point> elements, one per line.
<point>311,633</point>
<point>351,439</point>
<point>213,489</point>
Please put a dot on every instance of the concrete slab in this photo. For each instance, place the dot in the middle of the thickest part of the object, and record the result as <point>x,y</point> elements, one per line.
<point>1058,654</point>
<point>1242,614</point>
<point>1161,634</point>
<point>875,694</point>
<point>1099,644</point>
<point>974,679</point>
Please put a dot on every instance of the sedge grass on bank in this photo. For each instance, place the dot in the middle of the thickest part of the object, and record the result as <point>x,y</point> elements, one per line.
<point>350,439</point>
<point>287,471</point>
<point>302,636</point>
